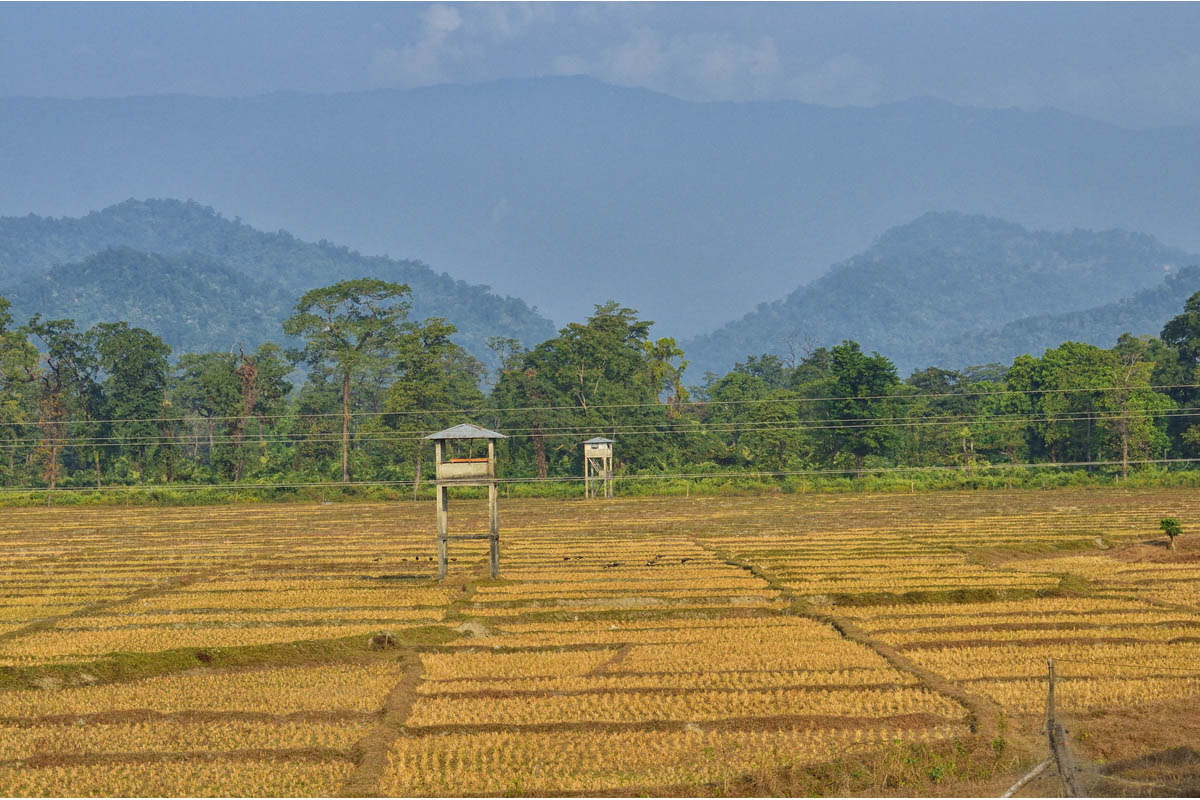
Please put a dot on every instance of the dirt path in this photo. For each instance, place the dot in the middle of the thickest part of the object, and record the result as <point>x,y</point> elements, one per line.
<point>984,714</point>
<point>370,753</point>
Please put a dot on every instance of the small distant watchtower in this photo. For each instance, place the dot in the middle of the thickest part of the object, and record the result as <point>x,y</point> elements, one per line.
<point>458,468</point>
<point>597,467</point>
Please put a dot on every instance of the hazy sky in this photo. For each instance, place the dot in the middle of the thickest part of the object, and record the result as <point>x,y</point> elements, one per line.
<point>1133,64</point>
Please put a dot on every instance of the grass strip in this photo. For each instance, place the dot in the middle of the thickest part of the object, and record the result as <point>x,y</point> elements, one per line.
<point>122,667</point>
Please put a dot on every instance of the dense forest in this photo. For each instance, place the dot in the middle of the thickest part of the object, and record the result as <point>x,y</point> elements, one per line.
<point>110,406</point>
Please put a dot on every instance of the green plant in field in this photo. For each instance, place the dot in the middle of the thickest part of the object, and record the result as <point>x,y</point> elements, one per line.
<point>1170,526</point>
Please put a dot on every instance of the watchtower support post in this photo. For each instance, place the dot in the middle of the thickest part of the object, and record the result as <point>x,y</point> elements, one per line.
<point>598,467</point>
<point>466,471</point>
<point>493,516</point>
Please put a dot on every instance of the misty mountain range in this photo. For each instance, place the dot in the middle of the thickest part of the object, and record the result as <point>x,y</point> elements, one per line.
<point>946,289</point>
<point>567,191</point>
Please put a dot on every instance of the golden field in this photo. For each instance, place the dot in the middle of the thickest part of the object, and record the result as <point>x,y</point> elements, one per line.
<point>631,646</point>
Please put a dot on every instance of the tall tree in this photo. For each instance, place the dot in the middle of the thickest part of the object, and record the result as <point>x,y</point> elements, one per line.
<point>434,376</point>
<point>1183,331</point>
<point>134,363</point>
<point>1131,404</point>
<point>1179,367</point>
<point>262,381</point>
<point>66,387</point>
<point>1072,376</point>
<point>942,398</point>
<point>351,329</point>
<point>207,386</point>
<point>666,365</point>
<point>862,399</point>
<point>589,377</point>
<point>18,362</point>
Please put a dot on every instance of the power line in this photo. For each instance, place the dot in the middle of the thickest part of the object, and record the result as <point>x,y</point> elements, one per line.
<point>656,405</point>
<point>978,468</point>
<point>855,423</point>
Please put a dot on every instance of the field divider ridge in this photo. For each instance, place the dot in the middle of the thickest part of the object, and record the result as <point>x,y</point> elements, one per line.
<point>171,584</point>
<point>309,754</point>
<point>983,713</point>
<point>371,752</point>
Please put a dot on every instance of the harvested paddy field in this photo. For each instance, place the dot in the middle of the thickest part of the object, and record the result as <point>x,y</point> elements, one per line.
<point>786,644</point>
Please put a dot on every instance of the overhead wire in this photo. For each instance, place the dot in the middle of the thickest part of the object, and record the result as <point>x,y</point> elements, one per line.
<point>812,424</point>
<point>655,404</point>
<point>729,475</point>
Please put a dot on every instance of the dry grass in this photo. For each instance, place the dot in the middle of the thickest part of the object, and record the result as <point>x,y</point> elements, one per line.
<point>643,646</point>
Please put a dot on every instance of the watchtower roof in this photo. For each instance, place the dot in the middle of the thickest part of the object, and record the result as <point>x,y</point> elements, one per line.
<point>466,431</point>
<point>599,440</point>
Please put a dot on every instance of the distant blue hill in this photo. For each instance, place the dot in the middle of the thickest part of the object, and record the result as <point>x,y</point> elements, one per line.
<point>954,290</point>
<point>568,192</point>
<point>204,282</point>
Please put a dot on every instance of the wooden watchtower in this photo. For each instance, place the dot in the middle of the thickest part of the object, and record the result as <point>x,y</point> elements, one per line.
<point>598,467</point>
<point>458,466</point>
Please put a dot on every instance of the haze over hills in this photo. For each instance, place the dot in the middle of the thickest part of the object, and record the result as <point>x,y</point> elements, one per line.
<point>204,282</point>
<point>1143,313</point>
<point>567,191</point>
<point>946,289</point>
<point>953,290</point>
<point>193,302</point>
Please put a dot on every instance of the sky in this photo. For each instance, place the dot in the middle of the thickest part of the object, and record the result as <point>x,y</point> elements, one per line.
<point>1136,65</point>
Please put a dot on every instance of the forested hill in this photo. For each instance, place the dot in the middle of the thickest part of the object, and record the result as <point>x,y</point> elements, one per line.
<point>217,278</point>
<point>1145,312</point>
<point>194,303</point>
<point>936,291</point>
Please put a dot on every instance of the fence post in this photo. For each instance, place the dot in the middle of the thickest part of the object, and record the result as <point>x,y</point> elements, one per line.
<point>1063,759</point>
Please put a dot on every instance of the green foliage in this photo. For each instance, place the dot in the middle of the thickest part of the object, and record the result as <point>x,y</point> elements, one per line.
<point>353,329</point>
<point>1170,526</point>
<point>434,379</point>
<point>861,400</point>
<point>107,409</point>
<point>134,363</point>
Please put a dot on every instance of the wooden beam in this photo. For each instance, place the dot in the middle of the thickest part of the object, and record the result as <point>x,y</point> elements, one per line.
<point>443,502</point>
<point>494,529</point>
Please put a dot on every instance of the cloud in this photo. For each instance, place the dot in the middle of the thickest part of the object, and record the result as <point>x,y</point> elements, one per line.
<point>839,81</point>
<point>441,19</point>
<point>509,20</point>
<point>641,59</point>
<point>423,61</point>
<point>704,66</point>
<point>457,42</point>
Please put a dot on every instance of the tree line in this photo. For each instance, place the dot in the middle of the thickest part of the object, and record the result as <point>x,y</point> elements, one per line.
<point>108,406</point>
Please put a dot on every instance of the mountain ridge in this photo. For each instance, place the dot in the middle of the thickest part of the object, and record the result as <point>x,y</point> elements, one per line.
<point>946,276</point>
<point>282,264</point>
<point>555,189</point>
